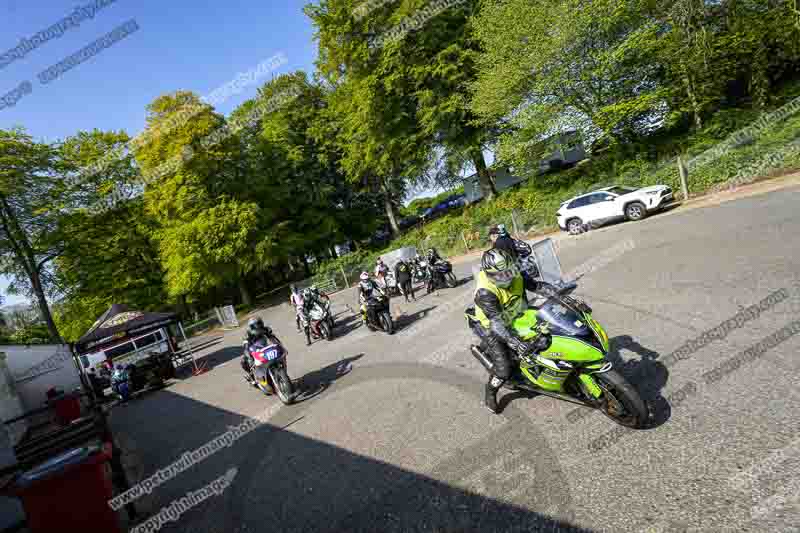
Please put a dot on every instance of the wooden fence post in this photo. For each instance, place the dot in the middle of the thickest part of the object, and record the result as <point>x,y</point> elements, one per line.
<point>683,172</point>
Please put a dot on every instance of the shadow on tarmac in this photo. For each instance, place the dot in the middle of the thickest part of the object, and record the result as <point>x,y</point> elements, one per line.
<point>295,483</point>
<point>648,375</point>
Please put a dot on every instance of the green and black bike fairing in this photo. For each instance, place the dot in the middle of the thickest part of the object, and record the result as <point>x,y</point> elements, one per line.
<point>579,344</point>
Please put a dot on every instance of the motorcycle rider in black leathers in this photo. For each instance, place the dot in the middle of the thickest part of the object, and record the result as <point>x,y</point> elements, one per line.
<point>433,256</point>
<point>500,297</point>
<point>366,288</point>
<point>417,267</point>
<point>309,300</point>
<point>501,240</point>
<point>255,330</point>
<point>402,274</point>
<point>316,294</point>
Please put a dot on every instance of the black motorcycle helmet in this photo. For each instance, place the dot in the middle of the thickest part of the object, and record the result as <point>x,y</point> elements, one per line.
<point>255,327</point>
<point>499,267</point>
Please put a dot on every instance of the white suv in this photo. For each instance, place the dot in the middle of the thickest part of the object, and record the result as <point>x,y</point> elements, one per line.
<point>611,203</point>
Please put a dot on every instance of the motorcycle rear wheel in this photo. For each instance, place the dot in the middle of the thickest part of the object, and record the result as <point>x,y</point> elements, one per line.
<point>451,280</point>
<point>621,402</point>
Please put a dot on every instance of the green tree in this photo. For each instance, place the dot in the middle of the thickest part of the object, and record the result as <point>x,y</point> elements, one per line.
<point>206,236</point>
<point>106,254</point>
<point>108,258</point>
<point>729,53</point>
<point>551,66</point>
<point>372,113</point>
<point>32,197</point>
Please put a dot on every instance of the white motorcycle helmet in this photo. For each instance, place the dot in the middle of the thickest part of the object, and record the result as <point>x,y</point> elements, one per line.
<point>499,267</point>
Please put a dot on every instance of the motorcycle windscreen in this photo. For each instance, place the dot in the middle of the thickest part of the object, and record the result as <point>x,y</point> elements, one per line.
<point>267,355</point>
<point>563,319</point>
<point>375,303</point>
<point>259,344</point>
<point>544,254</point>
<point>264,345</point>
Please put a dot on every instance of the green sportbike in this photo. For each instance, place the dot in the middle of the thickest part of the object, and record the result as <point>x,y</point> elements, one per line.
<point>573,367</point>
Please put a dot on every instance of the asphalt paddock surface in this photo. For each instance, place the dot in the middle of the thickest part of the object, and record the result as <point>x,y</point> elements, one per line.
<point>390,434</point>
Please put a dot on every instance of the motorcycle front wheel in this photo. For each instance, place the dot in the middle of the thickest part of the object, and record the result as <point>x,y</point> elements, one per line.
<point>326,331</point>
<point>283,385</point>
<point>621,402</point>
<point>386,323</point>
<point>263,384</point>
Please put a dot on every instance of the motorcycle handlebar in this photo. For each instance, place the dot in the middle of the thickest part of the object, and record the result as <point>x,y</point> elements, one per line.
<point>568,287</point>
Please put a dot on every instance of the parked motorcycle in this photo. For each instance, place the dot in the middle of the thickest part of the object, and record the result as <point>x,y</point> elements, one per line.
<point>420,271</point>
<point>268,371</point>
<point>569,361</point>
<point>321,320</point>
<point>441,276</point>
<point>378,316</point>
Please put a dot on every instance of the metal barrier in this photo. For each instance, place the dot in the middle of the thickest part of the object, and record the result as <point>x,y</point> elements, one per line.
<point>203,325</point>
<point>327,286</point>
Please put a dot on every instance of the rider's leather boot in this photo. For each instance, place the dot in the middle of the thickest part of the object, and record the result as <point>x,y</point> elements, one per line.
<point>492,387</point>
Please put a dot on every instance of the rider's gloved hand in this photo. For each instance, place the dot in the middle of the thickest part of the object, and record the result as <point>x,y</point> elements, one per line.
<point>546,289</point>
<point>541,343</point>
<point>520,347</point>
<point>537,345</point>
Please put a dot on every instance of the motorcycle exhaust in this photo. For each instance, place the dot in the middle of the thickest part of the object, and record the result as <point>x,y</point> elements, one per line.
<point>482,359</point>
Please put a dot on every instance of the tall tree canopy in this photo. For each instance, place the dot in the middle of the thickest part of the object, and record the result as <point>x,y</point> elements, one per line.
<point>397,99</point>
<point>206,236</point>
<point>32,195</point>
<point>619,69</point>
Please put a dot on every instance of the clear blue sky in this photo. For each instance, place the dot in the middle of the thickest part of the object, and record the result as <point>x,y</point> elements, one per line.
<point>179,45</point>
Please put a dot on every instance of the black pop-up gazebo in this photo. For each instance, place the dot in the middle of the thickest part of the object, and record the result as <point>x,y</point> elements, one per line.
<point>120,322</point>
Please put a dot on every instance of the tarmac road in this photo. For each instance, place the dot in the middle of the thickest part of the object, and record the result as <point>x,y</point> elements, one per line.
<point>391,433</point>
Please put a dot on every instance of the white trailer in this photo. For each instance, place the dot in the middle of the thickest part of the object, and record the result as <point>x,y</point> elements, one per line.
<point>38,368</point>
